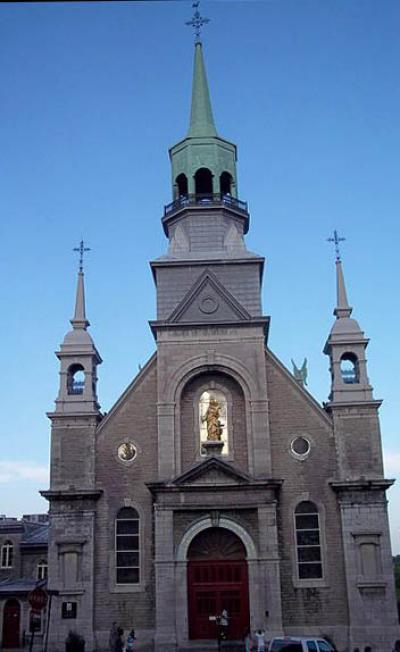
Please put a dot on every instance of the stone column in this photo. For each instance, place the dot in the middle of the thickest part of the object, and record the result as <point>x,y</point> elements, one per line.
<point>269,571</point>
<point>165,636</point>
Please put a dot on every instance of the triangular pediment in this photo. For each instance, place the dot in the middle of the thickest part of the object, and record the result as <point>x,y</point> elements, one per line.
<point>208,301</point>
<point>212,471</point>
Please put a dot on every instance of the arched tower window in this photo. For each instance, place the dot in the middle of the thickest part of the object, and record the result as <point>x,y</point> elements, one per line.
<point>349,368</point>
<point>42,570</point>
<point>181,185</point>
<point>127,546</point>
<point>203,182</point>
<point>308,541</point>
<point>225,183</point>
<point>7,554</point>
<point>75,379</point>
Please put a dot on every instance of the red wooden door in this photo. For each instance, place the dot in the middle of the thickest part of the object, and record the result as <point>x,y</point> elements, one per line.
<point>212,587</point>
<point>11,623</point>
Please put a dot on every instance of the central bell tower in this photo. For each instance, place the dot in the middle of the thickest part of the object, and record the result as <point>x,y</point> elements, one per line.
<point>208,283</point>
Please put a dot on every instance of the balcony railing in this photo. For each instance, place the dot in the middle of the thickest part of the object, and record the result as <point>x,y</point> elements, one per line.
<point>216,199</point>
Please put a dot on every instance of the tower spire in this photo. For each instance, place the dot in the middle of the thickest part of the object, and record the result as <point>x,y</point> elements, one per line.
<point>79,320</point>
<point>342,305</point>
<point>201,114</point>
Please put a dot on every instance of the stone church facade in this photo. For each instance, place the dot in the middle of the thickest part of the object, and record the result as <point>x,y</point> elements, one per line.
<point>217,481</point>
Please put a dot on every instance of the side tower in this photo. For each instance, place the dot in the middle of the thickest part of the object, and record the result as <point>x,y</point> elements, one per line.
<point>360,485</point>
<point>72,494</point>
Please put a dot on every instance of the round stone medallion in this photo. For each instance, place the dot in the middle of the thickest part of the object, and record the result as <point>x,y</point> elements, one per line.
<point>208,305</point>
<point>127,451</point>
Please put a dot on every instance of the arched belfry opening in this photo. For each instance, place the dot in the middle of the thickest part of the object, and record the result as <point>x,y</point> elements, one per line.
<point>203,183</point>
<point>225,183</point>
<point>217,580</point>
<point>181,185</point>
<point>75,379</point>
<point>349,369</point>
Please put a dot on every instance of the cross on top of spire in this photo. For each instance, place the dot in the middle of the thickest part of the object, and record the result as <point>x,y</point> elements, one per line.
<point>81,250</point>
<point>197,21</point>
<point>336,239</point>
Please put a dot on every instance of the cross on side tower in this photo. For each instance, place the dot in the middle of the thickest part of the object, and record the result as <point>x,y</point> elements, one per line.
<point>336,239</point>
<point>197,22</point>
<point>81,250</point>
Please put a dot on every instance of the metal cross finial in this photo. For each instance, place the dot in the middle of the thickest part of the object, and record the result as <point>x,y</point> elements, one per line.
<point>336,239</point>
<point>81,250</point>
<point>197,21</point>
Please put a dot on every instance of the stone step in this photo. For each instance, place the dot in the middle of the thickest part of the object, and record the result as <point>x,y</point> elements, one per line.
<point>212,646</point>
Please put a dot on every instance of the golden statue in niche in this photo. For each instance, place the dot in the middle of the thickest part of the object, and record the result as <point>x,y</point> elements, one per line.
<point>212,417</point>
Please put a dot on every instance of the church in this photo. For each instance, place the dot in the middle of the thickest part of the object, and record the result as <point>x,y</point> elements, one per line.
<point>217,482</point>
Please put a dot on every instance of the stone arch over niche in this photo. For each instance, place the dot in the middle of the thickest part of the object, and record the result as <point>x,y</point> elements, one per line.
<point>220,362</point>
<point>193,430</point>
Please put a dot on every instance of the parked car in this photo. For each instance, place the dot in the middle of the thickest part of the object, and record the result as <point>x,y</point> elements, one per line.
<point>299,644</point>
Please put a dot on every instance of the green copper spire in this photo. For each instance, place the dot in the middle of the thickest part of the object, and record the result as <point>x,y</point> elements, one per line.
<point>201,116</point>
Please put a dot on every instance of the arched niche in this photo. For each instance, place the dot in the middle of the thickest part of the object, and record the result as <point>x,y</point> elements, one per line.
<point>203,183</point>
<point>181,185</point>
<point>194,403</point>
<point>225,183</point>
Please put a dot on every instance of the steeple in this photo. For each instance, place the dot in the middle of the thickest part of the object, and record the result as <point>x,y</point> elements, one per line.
<point>79,320</point>
<point>346,347</point>
<point>342,305</point>
<point>203,163</point>
<point>79,358</point>
<point>201,116</point>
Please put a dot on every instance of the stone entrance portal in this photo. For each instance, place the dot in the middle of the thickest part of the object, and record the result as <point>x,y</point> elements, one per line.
<point>217,580</point>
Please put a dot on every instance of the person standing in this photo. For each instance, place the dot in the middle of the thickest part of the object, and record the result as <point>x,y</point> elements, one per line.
<point>224,623</point>
<point>112,639</point>
<point>130,641</point>
<point>260,638</point>
<point>119,645</point>
<point>247,641</point>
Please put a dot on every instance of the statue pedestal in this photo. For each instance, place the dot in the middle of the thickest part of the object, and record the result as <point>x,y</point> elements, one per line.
<point>213,447</point>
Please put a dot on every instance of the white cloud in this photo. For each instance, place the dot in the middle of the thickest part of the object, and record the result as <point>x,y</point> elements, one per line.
<point>14,471</point>
<point>392,464</point>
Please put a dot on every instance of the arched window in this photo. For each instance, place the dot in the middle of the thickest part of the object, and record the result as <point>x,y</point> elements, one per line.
<point>41,570</point>
<point>308,541</point>
<point>203,183</point>
<point>225,183</point>
<point>349,368</point>
<point>127,546</point>
<point>181,185</point>
<point>7,554</point>
<point>75,379</point>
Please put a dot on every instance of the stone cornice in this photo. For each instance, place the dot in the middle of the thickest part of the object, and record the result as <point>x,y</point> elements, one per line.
<point>71,494</point>
<point>361,484</point>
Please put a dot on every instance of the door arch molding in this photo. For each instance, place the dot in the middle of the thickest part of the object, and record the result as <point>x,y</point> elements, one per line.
<point>196,528</point>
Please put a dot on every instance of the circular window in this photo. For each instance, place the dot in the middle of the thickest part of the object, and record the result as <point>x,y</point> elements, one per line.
<point>300,447</point>
<point>127,451</point>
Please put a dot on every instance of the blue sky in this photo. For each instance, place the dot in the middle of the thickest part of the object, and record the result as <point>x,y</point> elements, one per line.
<point>92,96</point>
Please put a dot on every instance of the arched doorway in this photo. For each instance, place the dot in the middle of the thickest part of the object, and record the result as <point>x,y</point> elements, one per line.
<point>11,623</point>
<point>217,580</point>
